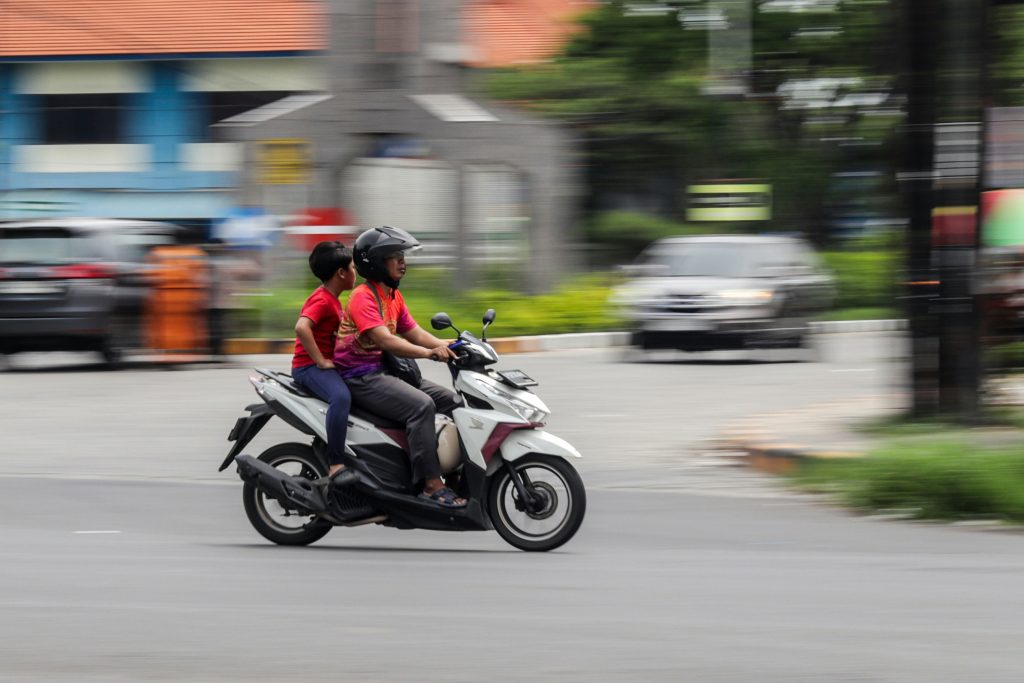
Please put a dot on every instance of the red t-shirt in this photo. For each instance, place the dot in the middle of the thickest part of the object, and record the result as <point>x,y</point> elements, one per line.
<point>324,309</point>
<point>356,354</point>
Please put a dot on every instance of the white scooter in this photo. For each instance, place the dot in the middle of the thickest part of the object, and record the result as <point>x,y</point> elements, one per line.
<point>494,452</point>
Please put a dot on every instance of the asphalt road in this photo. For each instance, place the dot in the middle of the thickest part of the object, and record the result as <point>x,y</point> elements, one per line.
<point>667,587</point>
<point>126,557</point>
<point>636,423</point>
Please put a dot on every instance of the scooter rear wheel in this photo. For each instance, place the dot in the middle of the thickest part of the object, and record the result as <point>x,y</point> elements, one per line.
<point>549,525</point>
<point>268,516</point>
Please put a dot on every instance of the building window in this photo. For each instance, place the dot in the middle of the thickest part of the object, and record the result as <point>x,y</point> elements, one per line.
<point>224,105</point>
<point>82,119</point>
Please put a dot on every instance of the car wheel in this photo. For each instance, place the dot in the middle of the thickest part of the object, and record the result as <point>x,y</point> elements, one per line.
<point>114,345</point>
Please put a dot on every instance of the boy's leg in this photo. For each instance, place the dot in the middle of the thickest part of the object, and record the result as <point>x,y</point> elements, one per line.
<point>330,387</point>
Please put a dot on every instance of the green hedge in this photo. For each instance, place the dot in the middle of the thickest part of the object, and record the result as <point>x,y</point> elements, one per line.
<point>932,480</point>
<point>865,281</point>
<point>578,305</point>
<point>624,234</point>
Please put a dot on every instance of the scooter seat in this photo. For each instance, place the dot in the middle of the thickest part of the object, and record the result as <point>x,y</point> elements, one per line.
<point>375,419</point>
<point>289,383</point>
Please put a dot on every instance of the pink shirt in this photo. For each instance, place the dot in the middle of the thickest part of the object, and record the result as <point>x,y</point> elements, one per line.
<point>355,353</point>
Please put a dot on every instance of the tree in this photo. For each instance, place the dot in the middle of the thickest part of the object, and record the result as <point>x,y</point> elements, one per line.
<point>633,85</point>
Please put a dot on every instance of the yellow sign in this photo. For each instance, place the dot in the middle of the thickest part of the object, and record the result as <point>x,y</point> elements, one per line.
<point>729,202</point>
<point>284,161</point>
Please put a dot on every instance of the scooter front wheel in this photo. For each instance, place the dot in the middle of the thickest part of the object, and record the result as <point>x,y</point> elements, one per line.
<point>556,511</point>
<point>271,519</point>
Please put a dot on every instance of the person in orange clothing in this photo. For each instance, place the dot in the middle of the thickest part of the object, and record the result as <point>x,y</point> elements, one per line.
<point>175,310</point>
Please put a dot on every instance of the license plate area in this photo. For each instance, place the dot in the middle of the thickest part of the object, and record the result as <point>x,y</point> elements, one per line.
<point>28,288</point>
<point>678,325</point>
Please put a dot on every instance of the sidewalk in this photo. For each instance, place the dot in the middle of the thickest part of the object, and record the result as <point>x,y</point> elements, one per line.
<point>778,442</point>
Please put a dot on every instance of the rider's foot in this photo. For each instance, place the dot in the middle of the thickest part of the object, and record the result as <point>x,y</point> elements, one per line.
<point>338,475</point>
<point>444,497</point>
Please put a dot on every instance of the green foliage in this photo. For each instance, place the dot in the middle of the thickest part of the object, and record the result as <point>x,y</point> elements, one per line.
<point>864,278</point>
<point>634,88</point>
<point>865,285</point>
<point>864,313</point>
<point>579,305</point>
<point>933,480</point>
<point>1008,59</point>
<point>626,233</point>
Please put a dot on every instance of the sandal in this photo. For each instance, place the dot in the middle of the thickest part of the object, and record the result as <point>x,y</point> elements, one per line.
<point>444,497</point>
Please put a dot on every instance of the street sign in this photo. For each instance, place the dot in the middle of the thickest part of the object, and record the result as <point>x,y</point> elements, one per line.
<point>284,161</point>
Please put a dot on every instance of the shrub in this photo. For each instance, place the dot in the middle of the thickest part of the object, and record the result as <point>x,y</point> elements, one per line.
<point>864,278</point>
<point>933,480</point>
<point>624,234</point>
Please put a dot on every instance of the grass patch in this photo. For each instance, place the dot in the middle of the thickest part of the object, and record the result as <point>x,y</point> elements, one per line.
<point>903,426</point>
<point>939,478</point>
<point>863,313</point>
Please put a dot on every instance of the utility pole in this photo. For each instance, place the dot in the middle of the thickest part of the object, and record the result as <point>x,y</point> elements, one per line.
<point>958,168</point>
<point>919,23</point>
<point>942,178</point>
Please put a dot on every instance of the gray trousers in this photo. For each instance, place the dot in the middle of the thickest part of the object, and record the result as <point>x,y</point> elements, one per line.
<point>390,397</point>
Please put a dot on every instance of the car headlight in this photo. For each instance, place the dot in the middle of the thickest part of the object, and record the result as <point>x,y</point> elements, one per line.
<point>746,297</point>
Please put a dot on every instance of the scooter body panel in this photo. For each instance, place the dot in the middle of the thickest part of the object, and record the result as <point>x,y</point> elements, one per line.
<point>520,443</point>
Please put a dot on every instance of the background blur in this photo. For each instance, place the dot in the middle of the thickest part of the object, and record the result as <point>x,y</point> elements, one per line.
<point>533,146</point>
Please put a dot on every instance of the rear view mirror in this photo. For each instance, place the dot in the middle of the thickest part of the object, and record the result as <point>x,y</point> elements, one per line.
<point>489,316</point>
<point>441,321</point>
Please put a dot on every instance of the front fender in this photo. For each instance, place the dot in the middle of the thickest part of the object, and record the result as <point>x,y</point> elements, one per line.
<point>521,442</point>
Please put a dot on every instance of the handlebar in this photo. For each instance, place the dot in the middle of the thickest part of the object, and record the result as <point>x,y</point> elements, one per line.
<point>456,346</point>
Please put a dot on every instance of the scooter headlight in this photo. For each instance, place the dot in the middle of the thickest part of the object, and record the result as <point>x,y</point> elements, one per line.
<point>528,412</point>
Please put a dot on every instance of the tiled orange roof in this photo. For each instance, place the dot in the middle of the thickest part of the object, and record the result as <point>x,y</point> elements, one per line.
<point>511,32</point>
<point>36,28</point>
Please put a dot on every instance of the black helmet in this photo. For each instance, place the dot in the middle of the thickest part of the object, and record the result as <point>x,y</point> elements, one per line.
<point>377,244</point>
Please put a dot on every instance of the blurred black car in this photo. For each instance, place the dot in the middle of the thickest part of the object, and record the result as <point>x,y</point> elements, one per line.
<point>724,292</point>
<point>75,284</point>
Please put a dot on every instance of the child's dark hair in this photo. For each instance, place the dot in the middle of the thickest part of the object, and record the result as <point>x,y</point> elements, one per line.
<point>327,258</point>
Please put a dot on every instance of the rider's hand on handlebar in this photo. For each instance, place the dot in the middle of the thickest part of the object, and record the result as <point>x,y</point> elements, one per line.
<point>442,354</point>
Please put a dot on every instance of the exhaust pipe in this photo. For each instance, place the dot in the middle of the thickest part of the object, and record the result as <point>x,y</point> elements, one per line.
<point>293,492</point>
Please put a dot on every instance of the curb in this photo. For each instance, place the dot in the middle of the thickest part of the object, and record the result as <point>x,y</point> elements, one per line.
<point>828,326</point>
<point>561,342</point>
<point>772,458</point>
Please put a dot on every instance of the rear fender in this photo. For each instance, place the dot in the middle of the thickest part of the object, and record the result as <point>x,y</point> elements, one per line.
<point>306,414</point>
<point>246,428</point>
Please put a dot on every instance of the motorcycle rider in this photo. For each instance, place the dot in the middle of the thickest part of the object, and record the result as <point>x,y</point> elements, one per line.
<point>315,335</point>
<point>377,319</point>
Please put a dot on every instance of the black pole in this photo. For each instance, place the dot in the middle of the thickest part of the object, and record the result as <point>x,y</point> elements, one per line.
<point>959,173</point>
<point>919,24</point>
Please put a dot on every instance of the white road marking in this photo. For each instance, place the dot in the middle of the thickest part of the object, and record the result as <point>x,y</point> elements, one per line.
<point>98,531</point>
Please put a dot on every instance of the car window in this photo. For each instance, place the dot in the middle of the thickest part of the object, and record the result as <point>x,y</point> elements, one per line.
<point>701,259</point>
<point>43,246</point>
<point>134,247</point>
<point>774,259</point>
<point>807,258</point>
